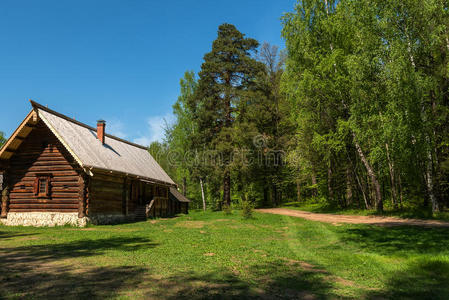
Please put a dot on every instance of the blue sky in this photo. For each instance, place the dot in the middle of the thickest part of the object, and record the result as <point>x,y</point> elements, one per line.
<point>115,60</point>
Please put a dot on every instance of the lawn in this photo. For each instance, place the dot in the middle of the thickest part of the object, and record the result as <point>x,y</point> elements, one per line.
<point>205,255</point>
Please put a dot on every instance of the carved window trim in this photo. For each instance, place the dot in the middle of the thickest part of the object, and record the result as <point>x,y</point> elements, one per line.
<point>42,185</point>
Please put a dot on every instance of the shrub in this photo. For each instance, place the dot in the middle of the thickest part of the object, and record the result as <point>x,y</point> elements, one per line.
<point>227,209</point>
<point>247,209</point>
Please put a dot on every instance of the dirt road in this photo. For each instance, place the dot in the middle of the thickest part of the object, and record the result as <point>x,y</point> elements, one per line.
<point>336,219</point>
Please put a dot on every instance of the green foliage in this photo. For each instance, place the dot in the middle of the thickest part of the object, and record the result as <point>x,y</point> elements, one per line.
<point>365,80</point>
<point>159,151</point>
<point>179,141</point>
<point>227,83</point>
<point>354,113</point>
<point>2,139</point>
<point>227,209</point>
<point>247,209</point>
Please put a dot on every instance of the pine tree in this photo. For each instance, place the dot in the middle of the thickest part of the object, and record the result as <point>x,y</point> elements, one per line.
<point>226,84</point>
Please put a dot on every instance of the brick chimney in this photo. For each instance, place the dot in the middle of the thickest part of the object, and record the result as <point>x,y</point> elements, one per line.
<point>101,125</point>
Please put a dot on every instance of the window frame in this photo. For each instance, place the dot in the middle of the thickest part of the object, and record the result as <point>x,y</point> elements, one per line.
<point>37,185</point>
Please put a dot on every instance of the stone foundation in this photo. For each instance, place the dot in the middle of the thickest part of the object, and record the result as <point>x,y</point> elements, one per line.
<point>106,219</point>
<point>51,219</point>
<point>43,219</point>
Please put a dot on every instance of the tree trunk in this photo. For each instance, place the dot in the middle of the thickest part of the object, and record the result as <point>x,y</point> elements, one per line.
<point>329,184</point>
<point>394,193</point>
<point>298,191</point>
<point>348,187</point>
<point>400,190</point>
<point>429,183</point>
<point>274,195</point>
<point>202,194</point>
<point>227,188</point>
<point>362,189</point>
<point>314,190</point>
<point>265,195</point>
<point>184,186</point>
<point>371,174</point>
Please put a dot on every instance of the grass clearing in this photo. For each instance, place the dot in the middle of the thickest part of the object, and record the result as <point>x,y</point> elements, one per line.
<point>204,255</point>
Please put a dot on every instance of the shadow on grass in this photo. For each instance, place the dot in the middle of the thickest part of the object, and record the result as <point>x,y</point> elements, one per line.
<point>419,280</point>
<point>398,240</point>
<point>10,234</point>
<point>78,248</point>
<point>274,281</point>
<point>39,272</point>
<point>47,272</point>
<point>425,274</point>
<point>58,282</point>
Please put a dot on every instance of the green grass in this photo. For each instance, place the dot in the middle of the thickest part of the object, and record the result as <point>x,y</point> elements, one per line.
<point>213,255</point>
<point>404,213</point>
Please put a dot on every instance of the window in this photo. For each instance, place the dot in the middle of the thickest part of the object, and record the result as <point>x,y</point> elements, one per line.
<point>42,185</point>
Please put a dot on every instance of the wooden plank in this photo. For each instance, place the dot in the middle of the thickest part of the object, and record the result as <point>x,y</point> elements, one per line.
<point>52,196</point>
<point>44,156</point>
<point>45,201</point>
<point>107,191</point>
<point>81,197</point>
<point>107,188</point>
<point>108,196</point>
<point>54,190</point>
<point>29,119</point>
<point>102,183</point>
<point>107,178</point>
<point>5,202</point>
<point>43,206</point>
<point>58,183</point>
<point>40,163</point>
<point>45,169</point>
<point>60,210</point>
<point>57,179</point>
<point>55,174</point>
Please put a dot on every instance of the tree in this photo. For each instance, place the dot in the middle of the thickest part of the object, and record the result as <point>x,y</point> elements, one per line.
<point>226,85</point>
<point>268,129</point>
<point>180,136</point>
<point>2,139</point>
<point>368,83</point>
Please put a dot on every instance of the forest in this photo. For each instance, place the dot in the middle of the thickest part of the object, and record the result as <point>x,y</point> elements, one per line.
<point>352,113</point>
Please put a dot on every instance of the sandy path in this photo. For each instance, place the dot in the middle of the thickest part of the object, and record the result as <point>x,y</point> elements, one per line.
<point>335,219</point>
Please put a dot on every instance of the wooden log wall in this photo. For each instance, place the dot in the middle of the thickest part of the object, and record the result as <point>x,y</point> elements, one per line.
<point>165,206</point>
<point>40,153</point>
<point>106,194</point>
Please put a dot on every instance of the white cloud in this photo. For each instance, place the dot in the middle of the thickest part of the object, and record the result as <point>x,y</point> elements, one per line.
<point>116,128</point>
<point>143,140</point>
<point>156,126</point>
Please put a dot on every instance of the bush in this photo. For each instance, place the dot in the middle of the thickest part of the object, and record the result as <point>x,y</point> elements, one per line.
<point>227,209</point>
<point>247,209</point>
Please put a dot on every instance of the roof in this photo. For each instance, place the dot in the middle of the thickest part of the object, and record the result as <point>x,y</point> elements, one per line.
<point>178,195</point>
<point>116,155</point>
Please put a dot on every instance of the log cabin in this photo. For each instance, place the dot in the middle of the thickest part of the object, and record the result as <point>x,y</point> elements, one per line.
<point>55,170</point>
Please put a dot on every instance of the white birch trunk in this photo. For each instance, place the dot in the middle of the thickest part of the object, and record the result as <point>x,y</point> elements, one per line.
<point>202,194</point>
<point>429,183</point>
<point>371,174</point>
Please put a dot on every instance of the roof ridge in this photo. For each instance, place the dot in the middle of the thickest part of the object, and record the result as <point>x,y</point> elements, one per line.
<point>40,106</point>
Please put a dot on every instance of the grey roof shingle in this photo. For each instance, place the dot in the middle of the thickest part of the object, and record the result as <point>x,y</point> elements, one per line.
<point>178,195</point>
<point>115,155</point>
